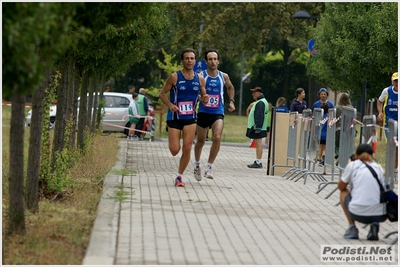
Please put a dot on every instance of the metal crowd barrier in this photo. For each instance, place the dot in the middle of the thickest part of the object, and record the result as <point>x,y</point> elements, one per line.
<point>369,131</point>
<point>305,124</point>
<point>311,138</point>
<point>314,135</point>
<point>330,152</point>
<point>347,136</point>
<point>391,149</point>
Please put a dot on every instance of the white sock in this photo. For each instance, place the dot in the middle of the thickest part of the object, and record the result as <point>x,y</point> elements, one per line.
<point>258,161</point>
<point>197,163</point>
<point>179,175</point>
<point>209,165</point>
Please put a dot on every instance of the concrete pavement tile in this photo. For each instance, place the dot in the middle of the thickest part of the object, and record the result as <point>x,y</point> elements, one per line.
<point>164,256</point>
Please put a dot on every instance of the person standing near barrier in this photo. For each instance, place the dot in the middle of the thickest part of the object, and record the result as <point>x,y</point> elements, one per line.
<point>184,87</point>
<point>281,105</point>
<point>344,101</point>
<point>322,140</point>
<point>387,106</point>
<point>299,104</point>
<point>362,203</point>
<point>323,98</point>
<point>211,115</point>
<point>143,108</point>
<point>133,119</point>
<point>257,124</point>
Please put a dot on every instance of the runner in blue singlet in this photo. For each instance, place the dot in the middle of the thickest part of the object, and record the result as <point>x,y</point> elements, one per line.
<point>184,87</point>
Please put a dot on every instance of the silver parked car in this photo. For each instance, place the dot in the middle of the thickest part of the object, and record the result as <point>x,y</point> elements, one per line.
<point>115,113</point>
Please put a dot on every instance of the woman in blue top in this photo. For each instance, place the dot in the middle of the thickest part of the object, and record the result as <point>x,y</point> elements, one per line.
<point>281,105</point>
<point>299,104</point>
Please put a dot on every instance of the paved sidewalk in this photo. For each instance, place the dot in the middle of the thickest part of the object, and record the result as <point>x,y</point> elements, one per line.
<point>242,217</point>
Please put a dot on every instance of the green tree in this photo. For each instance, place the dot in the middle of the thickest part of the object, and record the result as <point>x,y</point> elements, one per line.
<point>236,27</point>
<point>357,43</point>
<point>34,35</point>
<point>121,33</point>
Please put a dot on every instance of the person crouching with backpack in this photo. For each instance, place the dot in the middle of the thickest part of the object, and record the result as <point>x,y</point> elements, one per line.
<point>362,202</point>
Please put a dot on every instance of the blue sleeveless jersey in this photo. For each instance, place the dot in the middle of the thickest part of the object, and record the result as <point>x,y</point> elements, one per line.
<point>184,95</point>
<point>391,105</point>
<point>215,90</point>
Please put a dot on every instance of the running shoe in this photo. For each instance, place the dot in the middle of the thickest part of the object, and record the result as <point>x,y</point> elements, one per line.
<point>197,173</point>
<point>351,233</point>
<point>178,182</point>
<point>208,174</point>
<point>255,165</point>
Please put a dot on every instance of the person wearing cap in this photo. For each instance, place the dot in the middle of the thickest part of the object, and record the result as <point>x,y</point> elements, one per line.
<point>257,124</point>
<point>323,98</point>
<point>387,106</point>
<point>211,115</point>
<point>362,202</point>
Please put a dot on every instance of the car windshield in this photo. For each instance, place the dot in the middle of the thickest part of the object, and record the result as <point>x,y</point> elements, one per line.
<point>115,101</point>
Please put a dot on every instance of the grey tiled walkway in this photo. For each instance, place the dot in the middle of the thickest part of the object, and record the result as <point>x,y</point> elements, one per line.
<point>242,217</point>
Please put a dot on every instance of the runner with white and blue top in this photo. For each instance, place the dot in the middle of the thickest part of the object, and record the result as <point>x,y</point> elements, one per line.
<point>211,114</point>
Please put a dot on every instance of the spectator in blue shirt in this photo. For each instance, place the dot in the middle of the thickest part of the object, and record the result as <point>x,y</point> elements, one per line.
<point>281,105</point>
<point>323,98</point>
<point>299,104</point>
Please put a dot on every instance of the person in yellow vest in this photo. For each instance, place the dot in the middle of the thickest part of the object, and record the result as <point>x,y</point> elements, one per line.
<point>143,108</point>
<point>257,124</point>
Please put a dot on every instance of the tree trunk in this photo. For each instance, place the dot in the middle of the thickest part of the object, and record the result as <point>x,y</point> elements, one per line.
<point>70,117</point>
<point>96,90</point>
<point>62,115</point>
<point>76,81</point>
<point>90,102</point>
<point>16,178</point>
<point>82,112</point>
<point>35,145</point>
<point>101,96</point>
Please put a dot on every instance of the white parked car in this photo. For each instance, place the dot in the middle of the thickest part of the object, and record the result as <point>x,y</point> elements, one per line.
<point>53,111</point>
<point>115,117</point>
